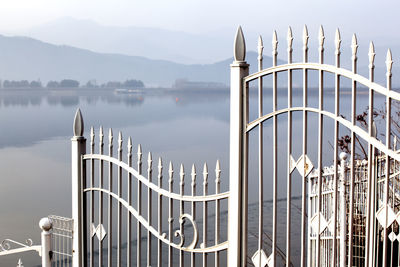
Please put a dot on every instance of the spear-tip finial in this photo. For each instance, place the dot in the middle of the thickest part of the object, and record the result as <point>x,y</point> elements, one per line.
<point>217,171</point>
<point>274,42</point>
<point>92,135</point>
<point>193,173</point>
<point>160,166</point>
<point>120,140</point>
<point>110,136</point>
<point>305,36</point>
<point>354,45</point>
<point>182,173</point>
<point>338,41</point>
<point>389,62</point>
<point>170,172</point>
<point>78,123</point>
<point>260,47</point>
<point>130,145</point>
<point>239,51</point>
<point>371,54</point>
<point>321,37</point>
<point>149,160</point>
<point>289,38</point>
<point>205,173</point>
<point>139,152</point>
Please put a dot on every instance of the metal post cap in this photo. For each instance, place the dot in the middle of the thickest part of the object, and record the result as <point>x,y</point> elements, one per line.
<point>45,224</point>
<point>343,156</point>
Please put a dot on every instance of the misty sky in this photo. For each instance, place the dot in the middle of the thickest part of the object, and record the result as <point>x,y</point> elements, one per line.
<point>370,18</point>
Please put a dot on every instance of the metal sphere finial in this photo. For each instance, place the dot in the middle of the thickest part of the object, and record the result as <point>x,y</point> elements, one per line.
<point>45,224</point>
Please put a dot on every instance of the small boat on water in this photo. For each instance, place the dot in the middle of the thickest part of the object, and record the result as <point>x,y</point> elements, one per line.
<point>126,91</point>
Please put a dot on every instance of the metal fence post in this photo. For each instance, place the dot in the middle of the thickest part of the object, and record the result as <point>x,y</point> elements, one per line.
<point>237,219</point>
<point>46,225</point>
<point>343,211</point>
<point>78,149</point>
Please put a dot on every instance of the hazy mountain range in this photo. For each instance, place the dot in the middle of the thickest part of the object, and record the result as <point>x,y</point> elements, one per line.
<point>139,53</point>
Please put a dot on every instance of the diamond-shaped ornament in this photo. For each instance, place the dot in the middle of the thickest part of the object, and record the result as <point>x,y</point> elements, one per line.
<point>256,259</point>
<point>304,166</point>
<point>381,216</point>
<point>322,221</point>
<point>99,231</point>
<point>292,164</point>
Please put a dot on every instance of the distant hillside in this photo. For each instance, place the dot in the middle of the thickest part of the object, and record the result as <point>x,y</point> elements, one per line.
<point>30,59</point>
<point>26,58</point>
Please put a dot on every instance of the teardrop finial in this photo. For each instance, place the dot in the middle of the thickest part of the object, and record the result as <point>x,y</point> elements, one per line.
<point>170,172</point>
<point>260,47</point>
<point>239,46</point>
<point>389,62</point>
<point>305,37</point>
<point>338,41</point>
<point>193,174</point>
<point>274,43</point>
<point>160,167</point>
<point>321,37</point>
<point>354,45</point>
<point>371,54</point>
<point>289,39</point>
<point>78,123</point>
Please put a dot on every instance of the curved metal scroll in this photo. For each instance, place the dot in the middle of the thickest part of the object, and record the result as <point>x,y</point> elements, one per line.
<point>5,247</point>
<point>163,237</point>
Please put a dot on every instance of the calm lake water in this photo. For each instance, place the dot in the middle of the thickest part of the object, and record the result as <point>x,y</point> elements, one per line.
<point>36,127</point>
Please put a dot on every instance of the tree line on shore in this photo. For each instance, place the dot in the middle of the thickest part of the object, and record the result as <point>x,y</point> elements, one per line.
<point>69,83</point>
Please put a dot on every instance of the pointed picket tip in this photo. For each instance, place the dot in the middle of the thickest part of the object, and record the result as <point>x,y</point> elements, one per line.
<point>193,173</point>
<point>274,41</point>
<point>321,36</point>
<point>205,170</point>
<point>338,39</point>
<point>239,51</point>
<point>305,35</point>
<point>260,46</point>
<point>110,136</point>
<point>149,159</point>
<point>139,151</point>
<point>101,134</point>
<point>354,44</point>
<point>92,135</point>
<point>182,172</point>
<point>78,123</point>
<point>371,53</point>
<point>160,166</point>
<point>289,38</point>
<point>218,170</point>
<point>170,171</point>
<point>389,61</point>
<point>130,144</point>
<point>120,139</point>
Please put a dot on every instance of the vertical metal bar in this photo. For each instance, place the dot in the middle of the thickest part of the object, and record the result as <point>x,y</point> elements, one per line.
<point>205,215</point>
<point>304,239</point>
<point>149,208</point>
<point>389,63</point>
<point>78,148</point>
<point>101,170</point>
<point>110,188</point>
<point>91,212</point>
<point>289,151</point>
<point>192,255</point>
<point>260,152</point>
<point>343,211</point>
<point>217,209</point>
<point>275,147</point>
<point>159,250</point>
<point>181,210</point>
<point>170,213</point>
<point>320,141</point>
<point>237,156</point>
<point>335,147</point>
<point>139,209</point>
<point>354,47</point>
<point>119,210</point>
<point>129,215</point>
<point>369,243</point>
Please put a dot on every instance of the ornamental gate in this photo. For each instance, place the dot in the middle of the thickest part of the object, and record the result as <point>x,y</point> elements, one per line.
<point>300,192</point>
